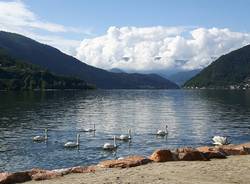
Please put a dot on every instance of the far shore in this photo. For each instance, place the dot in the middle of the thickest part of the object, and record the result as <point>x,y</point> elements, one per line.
<point>234,169</point>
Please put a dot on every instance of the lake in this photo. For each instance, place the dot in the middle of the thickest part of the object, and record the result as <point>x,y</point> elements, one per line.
<point>193,118</point>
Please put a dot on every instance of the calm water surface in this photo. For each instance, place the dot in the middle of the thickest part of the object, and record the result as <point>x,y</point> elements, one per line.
<point>193,117</point>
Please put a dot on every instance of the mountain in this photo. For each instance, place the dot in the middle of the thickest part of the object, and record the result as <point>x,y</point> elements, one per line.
<point>181,77</point>
<point>116,70</point>
<point>228,71</point>
<point>59,63</point>
<point>17,75</point>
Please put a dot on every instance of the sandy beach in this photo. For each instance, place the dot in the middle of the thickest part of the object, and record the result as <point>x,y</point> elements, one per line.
<point>234,169</point>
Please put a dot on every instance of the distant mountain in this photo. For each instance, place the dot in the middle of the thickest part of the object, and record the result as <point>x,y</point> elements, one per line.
<point>228,71</point>
<point>181,77</point>
<point>59,63</point>
<point>116,70</point>
<point>17,75</point>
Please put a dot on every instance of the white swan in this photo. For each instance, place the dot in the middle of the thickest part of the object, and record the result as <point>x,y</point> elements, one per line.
<point>41,138</point>
<point>73,144</point>
<point>126,137</point>
<point>162,132</point>
<point>89,129</point>
<point>108,146</point>
<point>219,140</point>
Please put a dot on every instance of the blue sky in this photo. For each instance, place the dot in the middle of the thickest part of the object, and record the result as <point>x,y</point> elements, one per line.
<point>101,14</point>
<point>103,32</point>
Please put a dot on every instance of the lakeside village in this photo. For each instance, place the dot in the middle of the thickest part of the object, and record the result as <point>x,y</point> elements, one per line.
<point>242,86</point>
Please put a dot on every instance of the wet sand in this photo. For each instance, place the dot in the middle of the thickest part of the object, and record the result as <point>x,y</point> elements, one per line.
<point>234,169</point>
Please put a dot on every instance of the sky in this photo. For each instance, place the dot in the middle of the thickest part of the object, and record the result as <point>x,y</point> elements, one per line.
<point>133,35</point>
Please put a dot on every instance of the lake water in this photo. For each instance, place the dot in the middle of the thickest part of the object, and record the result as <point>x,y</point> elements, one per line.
<point>193,117</point>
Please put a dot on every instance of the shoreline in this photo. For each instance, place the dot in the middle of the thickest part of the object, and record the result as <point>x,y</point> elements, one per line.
<point>186,157</point>
<point>234,169</point>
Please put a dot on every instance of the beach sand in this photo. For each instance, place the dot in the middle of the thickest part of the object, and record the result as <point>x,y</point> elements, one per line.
<point>234,169</point>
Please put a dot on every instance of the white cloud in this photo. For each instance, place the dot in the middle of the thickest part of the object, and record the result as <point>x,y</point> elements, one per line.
<point>128,48</point>
<point>15,14</point>
<point>159,48</point>
<point>16,17</point>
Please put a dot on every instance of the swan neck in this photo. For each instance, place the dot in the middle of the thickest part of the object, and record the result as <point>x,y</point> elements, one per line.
<point>77,140</point>
<point>46,134</point>
<point>114,141</point>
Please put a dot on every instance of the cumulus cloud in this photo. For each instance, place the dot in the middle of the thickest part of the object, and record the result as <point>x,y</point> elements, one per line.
<point>159,48</point>
<point>16,17</point>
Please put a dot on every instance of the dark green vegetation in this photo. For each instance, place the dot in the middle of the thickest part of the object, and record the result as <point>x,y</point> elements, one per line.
<point>59,63</point>
<point>17,75</point>
<point>229,71</point>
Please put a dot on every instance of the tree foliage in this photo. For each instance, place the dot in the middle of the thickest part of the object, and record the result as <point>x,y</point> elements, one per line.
<point>19,75</point>
<point>229,69</point>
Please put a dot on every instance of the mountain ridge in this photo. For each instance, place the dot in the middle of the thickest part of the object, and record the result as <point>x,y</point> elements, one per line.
<point>19,75</point>
<point>231,70</point>
<point>59,63</point>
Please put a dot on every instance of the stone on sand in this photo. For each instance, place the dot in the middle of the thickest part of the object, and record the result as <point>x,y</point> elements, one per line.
<point>162,156</point>
<point>190,154</point>
<point>211,152</point>
<point>131,161</point>
<point>17,177</point>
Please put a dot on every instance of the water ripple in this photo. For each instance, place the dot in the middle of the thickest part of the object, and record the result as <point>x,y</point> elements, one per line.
<point>193,117</point>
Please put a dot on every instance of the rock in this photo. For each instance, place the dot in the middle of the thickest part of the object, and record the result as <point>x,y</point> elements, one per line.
<point>131,161</point>
<point>247,145</point>
<point>205,149</point>
<point>45,175</point>
<point>3,177</point>
<point>211,152</point>
<point>81,169</point>
<point>162,156</point>
<point>232,150</point>
<point>190,154</point>
<point>227,150</point>
<point>17,177</point>
<point>36,170</point>
<point>63,171</point>
<point>184,150</point>
<point>215,154</point>
<point>246,149</point>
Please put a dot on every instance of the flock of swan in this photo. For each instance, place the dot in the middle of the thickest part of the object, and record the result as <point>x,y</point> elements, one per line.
<point>106,146</point>
<point>217,140</point>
